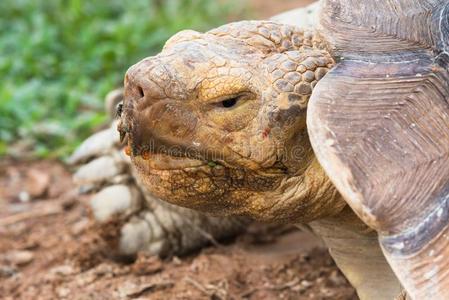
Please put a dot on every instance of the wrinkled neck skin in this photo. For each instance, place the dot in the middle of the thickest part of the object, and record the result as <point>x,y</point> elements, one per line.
<point>302,198</point>
<point>217,122</point>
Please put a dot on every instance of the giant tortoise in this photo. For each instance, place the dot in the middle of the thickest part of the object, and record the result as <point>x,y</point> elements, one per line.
<point>345,128</point>
<point>149,224</point>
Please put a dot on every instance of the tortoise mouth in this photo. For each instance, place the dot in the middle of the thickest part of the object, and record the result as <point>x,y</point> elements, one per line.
<point>179,160</point>
<point>166,162</point>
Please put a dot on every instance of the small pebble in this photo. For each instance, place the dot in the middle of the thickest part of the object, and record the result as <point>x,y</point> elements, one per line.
<point>20,258</point>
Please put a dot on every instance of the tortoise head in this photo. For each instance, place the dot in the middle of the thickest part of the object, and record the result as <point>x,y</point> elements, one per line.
<point>217,121</point>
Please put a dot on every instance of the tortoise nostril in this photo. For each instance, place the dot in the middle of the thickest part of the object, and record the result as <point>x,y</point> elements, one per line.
<point>140,91</point>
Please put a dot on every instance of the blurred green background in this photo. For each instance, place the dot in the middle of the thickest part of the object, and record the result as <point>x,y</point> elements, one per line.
<point>59,58</point>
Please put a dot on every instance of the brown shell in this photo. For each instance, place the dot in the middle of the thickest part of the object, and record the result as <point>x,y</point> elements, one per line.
<point>379,124</point>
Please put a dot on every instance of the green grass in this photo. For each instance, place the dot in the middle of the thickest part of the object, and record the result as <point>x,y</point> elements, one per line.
<point>59,58</point>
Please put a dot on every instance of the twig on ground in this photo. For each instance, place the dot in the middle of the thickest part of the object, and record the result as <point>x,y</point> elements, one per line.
<point>248,293</point>
<point>150,287</point>
<point>210,290</point>
<point>284,286</point>
<point>36,212</point>
<point>197,285</point>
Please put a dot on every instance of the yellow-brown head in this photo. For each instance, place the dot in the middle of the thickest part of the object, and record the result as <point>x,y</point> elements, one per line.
<point>217,121</point>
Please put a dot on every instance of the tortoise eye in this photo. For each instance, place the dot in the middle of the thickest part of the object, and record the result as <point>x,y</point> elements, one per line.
<point>230,102</point>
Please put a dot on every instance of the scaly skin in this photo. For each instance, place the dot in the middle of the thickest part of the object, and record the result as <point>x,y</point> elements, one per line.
<point>253,158</point>
<point>217,123</point>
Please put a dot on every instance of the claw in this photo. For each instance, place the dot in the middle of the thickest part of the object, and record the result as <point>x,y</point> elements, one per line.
<point>122,131</point>
<point>119,110</point>
<point>122,136</point>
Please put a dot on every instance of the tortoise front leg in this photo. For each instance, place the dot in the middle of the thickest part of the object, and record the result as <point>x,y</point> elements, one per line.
<point>143,222</point>
<point>356,251</point>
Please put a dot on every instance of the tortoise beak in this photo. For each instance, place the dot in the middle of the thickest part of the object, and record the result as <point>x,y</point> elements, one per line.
<point>155,122</point>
